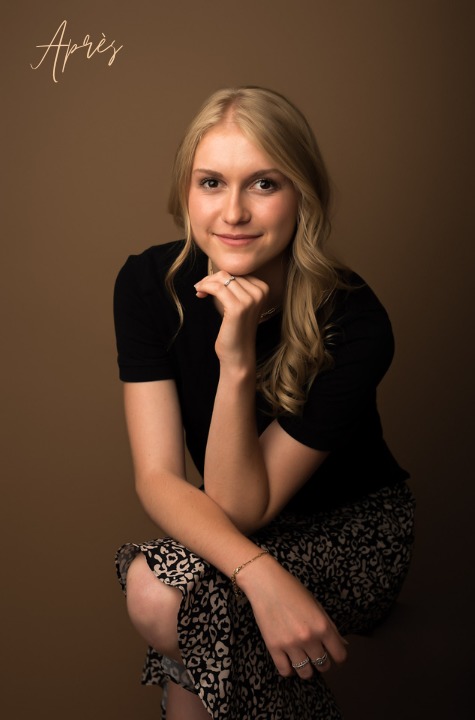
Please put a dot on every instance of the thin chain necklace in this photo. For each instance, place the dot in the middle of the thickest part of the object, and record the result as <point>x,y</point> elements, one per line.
<point>263,316</point>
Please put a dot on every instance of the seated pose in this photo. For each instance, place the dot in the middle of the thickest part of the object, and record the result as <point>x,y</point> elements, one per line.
<point>250,344</point>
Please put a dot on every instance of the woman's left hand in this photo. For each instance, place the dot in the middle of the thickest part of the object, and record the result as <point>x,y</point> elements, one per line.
<point>295,627</point>
<point>241,300</point>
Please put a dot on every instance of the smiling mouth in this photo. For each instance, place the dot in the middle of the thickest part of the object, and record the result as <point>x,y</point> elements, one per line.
<point>237,236</point>
<point>240,238</point>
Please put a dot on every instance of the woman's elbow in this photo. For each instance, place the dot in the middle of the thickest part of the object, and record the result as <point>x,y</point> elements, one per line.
<point>246,518</point>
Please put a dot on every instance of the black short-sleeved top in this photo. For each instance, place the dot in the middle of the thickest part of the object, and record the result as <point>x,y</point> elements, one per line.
<point>340,414</point>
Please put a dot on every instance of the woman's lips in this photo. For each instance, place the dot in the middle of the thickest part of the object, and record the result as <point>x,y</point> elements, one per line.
<point>238,239</point>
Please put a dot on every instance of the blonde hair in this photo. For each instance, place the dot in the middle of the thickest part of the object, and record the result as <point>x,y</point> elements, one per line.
<point>280,130</point>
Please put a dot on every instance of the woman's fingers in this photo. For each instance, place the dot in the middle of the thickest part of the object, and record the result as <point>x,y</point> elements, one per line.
<point>299,634</point>
<point>334,645</point>
<point>239,293</point>
<point>315,657</point>
<point>303,667</point>
<point>320,662</point>
<point>302,663</point>
<point>310,655</point>
<point>305,664</point>
<point>240,299</point>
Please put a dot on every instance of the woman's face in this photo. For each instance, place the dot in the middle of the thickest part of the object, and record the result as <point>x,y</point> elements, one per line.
<point>242,209</point>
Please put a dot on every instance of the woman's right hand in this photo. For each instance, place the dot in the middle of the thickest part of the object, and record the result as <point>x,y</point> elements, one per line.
<point>241,299</point>
<point>293,624</point>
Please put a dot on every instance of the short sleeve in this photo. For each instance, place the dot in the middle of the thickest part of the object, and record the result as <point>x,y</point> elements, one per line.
<point>341,404</point>
<point>143,322</point>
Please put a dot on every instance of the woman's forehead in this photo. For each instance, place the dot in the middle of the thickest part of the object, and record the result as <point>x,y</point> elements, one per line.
<point>226,145</point>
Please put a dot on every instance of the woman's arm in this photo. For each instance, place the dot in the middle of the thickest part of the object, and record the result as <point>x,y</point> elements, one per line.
<point>179,509</point>
<point>251,478</point>
<point>292,623</point>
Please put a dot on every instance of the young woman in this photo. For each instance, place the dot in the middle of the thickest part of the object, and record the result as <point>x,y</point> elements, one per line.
<point>250,342</point>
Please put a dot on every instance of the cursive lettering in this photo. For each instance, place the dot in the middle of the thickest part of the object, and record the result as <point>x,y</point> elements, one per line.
<point>57,44</point>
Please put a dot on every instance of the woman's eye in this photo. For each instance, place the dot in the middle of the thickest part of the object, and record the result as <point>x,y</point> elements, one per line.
<point>266,184</point>
<point>210,183</point>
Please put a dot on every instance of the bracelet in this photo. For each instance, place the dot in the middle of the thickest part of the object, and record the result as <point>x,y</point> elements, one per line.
<point>237,591</point>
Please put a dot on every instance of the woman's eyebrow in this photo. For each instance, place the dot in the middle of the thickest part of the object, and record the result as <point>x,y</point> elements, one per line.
<point>206,171</point>
<point>265,171</point>
<point>254,175</point>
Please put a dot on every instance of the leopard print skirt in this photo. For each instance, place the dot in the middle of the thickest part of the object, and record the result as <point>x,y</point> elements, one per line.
<point>353,559</point>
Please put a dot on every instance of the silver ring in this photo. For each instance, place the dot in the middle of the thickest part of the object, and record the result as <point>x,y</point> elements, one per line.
<point>229,280</point>
<point>320,660</point>
<point>297,666</point>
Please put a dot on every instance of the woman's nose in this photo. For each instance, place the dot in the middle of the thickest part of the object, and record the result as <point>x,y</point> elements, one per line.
<point>235,208</point>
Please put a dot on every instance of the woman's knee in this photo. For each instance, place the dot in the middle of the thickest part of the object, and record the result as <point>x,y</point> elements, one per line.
<point>138,581</point>
<point>152,606</point>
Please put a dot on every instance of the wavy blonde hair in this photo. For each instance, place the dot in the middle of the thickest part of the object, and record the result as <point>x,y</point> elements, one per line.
<point>278,128</point>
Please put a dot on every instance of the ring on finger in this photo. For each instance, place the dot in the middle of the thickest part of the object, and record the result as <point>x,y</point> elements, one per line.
<point>319,661</point>
<point>229,280</point>
<point>297,666</point>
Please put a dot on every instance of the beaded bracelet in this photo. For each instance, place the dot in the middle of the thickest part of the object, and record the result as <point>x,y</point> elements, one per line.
<point>237,591</point>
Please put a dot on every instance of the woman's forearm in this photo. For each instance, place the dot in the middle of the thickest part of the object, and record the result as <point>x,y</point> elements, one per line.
<point>181,510</point>
<point>188,515</point>
<point>235,475</point>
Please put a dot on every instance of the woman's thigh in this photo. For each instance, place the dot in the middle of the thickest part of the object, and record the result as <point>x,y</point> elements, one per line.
<point>353,559</point>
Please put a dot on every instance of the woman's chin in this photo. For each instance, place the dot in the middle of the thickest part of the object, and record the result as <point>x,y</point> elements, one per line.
<point>238,269</point>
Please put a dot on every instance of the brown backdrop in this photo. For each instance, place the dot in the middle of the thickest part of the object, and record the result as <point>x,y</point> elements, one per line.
<point>86,163</point>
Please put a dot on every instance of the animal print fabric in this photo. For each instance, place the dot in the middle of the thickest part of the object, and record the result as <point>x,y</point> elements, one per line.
<point>353,559</point>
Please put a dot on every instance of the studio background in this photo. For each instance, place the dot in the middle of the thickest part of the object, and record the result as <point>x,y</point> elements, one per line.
<point>86,162</point>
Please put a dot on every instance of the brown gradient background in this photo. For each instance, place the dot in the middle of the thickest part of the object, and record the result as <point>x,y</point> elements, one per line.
<point>387,85</point>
